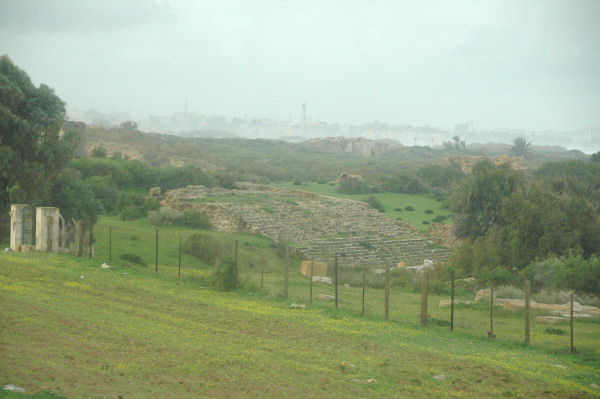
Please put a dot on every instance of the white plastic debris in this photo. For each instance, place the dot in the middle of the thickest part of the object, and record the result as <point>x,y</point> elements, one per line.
<point>11,387</point>
<point>104,266</point>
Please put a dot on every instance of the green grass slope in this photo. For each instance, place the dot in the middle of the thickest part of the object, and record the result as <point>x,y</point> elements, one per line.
<point>70,327</point>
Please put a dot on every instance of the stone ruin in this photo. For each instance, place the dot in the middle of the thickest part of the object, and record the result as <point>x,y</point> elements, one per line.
<point>45,229</point>
<point>317,226</point>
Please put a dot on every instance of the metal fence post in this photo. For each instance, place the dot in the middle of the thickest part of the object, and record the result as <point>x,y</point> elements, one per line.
<point>335,265</point>
<point>424,286</point>
<point>452,301</point>
<point>363,289</point>
<point>312,265</point>
<point>156,254</point>
<point>491,332</point>
<point>235,266</point>
<point>109,244</point>
<point>387,292</point>
<point>571,326</point>
<point>287,265</point>
<point>179,257</point>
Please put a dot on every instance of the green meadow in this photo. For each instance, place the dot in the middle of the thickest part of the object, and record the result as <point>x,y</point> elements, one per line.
<point>80,331</point>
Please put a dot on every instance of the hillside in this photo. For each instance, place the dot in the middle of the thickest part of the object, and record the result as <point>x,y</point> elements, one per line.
<point>72,327</point>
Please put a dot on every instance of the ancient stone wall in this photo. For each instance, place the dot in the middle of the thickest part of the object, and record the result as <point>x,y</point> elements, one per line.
<point>441,234</point>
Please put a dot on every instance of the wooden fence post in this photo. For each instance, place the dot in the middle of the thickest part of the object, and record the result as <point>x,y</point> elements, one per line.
<point>109,244</point>
<point>363,289</point>
<point>452,300</point>
<point>287,265</point>
<point>179,257</point>
<point>424,287</point>
<point>491,332</point>
<point>312,265</point>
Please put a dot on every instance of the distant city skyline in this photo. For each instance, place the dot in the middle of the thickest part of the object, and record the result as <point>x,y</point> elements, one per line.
<point>519,65</point>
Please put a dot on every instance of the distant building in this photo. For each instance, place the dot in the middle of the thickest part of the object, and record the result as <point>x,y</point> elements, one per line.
<point>466,127</point>
<point>78,128</point>
<point>592,133</point>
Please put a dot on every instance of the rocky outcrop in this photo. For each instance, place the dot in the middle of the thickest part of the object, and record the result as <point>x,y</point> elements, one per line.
<point>441,234</point>
<point>466,162</point>
<point>356,145</point>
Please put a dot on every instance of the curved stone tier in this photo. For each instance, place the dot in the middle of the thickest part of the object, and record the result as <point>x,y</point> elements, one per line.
<point>317,226</point>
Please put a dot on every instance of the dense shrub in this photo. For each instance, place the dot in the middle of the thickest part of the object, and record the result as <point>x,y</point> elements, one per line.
<point>224,277</point>
<point>409,208</point>
<point>438,176</point>
<point>99,152</point>
<point>571,272</point>
<point>375,203</point>
<point>167,216</point>
<point>203,247</point>
<point>105,192</point>
<point>132,206</point>
<point>403,183</point>
<point>429,211</point>
<point>350,184</point>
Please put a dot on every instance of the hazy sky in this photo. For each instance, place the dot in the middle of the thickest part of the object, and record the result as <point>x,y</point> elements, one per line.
<point>515,64</point>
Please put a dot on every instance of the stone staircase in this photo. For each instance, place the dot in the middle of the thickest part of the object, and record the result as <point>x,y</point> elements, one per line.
<point>318,227</point>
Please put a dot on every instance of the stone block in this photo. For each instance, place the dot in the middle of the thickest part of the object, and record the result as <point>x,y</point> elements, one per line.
<point>319,268</point>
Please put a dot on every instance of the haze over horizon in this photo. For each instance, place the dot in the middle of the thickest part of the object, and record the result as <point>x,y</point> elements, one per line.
<point>520,65</point>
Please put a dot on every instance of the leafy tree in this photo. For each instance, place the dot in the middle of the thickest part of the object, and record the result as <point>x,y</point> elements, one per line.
<point>32,152</point>
<point>595,157</point>
<point>75,198</point>
<point>478,202</point>
<point>456,144</point>
<point>130,126</point>
<point>520,147</point>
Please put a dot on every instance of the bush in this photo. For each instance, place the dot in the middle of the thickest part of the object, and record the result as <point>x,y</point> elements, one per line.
<point>131,258</point>
<point>105,191</point>
<point>99,152</point>
<point>555,331</point>
<point>350,184</point>
<point>375,203</point>
<point>409,208</point>
<point>429,211</point>
<point>439,219</point>
<point>570,273</point>
<point>509,292</point>
<point>203,247</point>
<point>397,209</point>
<point>224,277</point>
<point>297,183</point>
<point>132,206</point>
<point>425,222</point>
<point>167,216</point>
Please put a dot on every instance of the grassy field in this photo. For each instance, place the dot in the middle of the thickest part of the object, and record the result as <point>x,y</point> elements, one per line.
<point>81,331</point>
<point>395,204</point>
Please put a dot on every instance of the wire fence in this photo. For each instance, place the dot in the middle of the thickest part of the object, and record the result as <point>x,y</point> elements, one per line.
<point>334,285</point>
